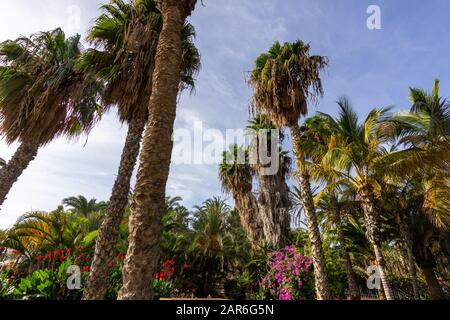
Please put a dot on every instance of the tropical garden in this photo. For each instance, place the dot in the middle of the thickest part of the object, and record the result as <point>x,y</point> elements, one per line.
<point>356,192</point>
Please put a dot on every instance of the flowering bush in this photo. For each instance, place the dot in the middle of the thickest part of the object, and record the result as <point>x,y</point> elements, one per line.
<point>289,275</point>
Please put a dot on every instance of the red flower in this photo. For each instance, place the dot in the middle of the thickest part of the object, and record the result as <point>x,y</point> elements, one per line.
<point>157,276</point>
<point>69,251</point>
<point>40,258</point>
<point>50,256</point>
<point>169,263</point>
<point>58,252</point>
<point>86,269</point>
<point>120,256</point>
<point>62,258</point>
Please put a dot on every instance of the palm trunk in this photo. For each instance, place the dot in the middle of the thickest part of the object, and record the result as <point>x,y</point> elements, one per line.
<point>105,247</point>
<point>11,172</point>
<point>251,221</point>
<point>318,257</point>
<point>348,267</point>
<point>433,285</point>
<point>373,233</point>
<point>142,259</point>
<point>274,210</point>
<point>407,241</point>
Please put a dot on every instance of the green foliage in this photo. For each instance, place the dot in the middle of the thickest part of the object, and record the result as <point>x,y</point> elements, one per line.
<point>47,284</point>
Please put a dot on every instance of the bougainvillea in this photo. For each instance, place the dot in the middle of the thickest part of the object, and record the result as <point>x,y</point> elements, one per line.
<point>290,272</point>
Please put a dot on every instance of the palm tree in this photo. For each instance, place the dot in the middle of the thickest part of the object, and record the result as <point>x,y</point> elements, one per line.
<point>353,154</point>
<point>126,36</point>
<point>283,80</point>
<point>424,132</point>
<point>236,176</point>
<point>83,206</point>
<point>316,138</point>
<point>147,210</point>
<point>42,97</point>
<point>274,202</point>
<point>214,248</point>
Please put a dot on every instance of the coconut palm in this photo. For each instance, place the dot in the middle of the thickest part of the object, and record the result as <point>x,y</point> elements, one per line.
<point>283,80</point>
<point>353,153</point>
<point>316,138</point>
<point>274,202</point>
<point>126,36</point>
<point>42,97</point>
<point>236,176</point>
<point>147,209</point>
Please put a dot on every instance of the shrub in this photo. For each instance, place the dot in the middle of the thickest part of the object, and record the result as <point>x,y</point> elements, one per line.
<point>289,276</point>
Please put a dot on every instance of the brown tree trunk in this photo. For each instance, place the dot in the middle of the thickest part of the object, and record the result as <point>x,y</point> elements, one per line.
<point>407,242</point>
<point>318,257</point>
<point>373,233</point>
<point>435,289</point>
<point>142,259</point>
<point>105,247</point>
<point>11,172</point>
<point>251,221</point>
<point>274,209</point>
<point>348,267</point>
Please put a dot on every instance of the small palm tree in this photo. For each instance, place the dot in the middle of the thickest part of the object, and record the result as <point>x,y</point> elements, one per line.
<point>42,97</point>
<point>82,206</point>
<point>283,80</point>
<point>236,176</point>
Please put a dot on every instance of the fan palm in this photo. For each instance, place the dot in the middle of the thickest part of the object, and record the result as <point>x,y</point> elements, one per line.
<point>147,209</point>
<point>236,176</point>
<point>283,80</point>
<point>126,36</point>
<point>42,97</point>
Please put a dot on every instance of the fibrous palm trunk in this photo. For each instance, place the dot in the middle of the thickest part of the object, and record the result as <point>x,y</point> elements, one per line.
<point>251,221</point>
<point>318,257</point>
<point>11,172</point>
<point>408,245</point>
<point>142,259</point>
<point>105,247</point>
<point>348,267</point>
<point>274,209</point>
<point>373,233</point>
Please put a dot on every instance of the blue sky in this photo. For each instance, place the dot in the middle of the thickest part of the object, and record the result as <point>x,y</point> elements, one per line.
<point>373,67</point>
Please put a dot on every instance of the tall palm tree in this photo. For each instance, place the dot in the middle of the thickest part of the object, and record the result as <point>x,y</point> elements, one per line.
<point>274,202</point>
<point>316,138</point>
<point>83,206</point>
<point>283,80</point>
<point>42,97</point>
<point>147,209</point>
<point>236,176</point>
<point>354,152</point>
<point>126,36</point>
